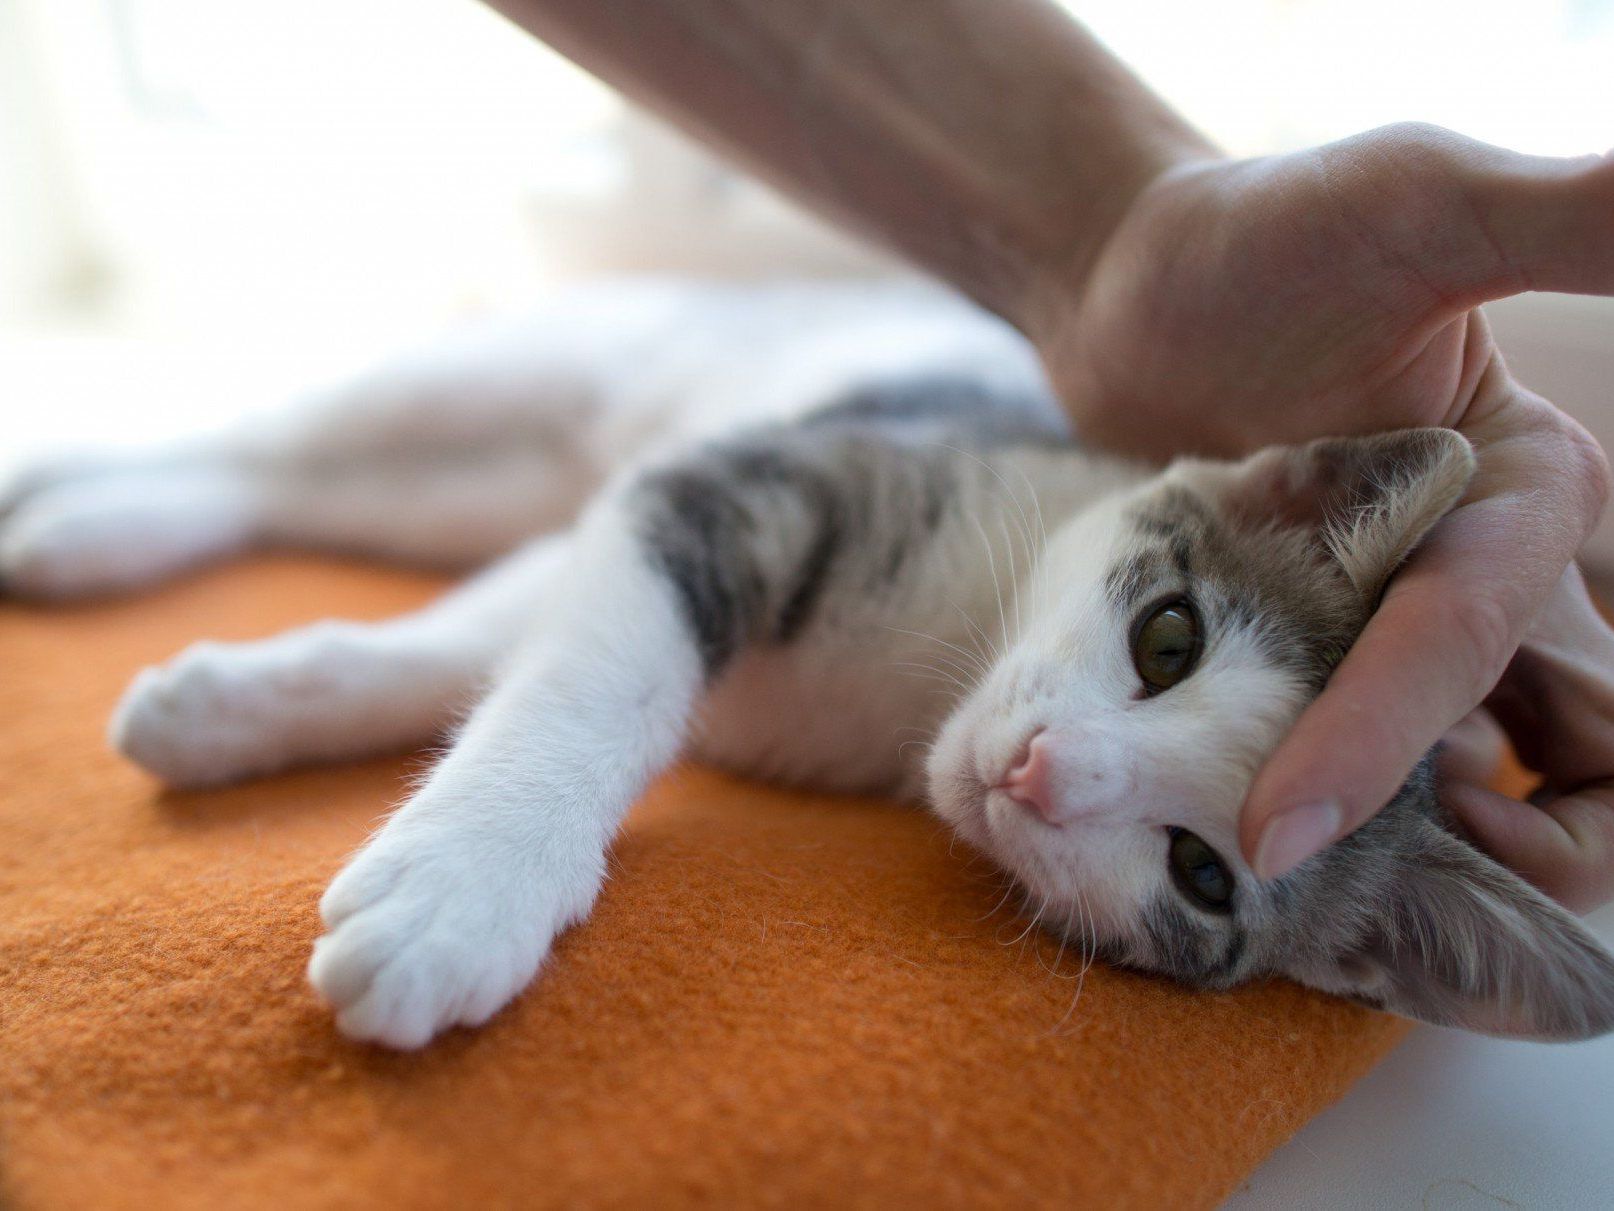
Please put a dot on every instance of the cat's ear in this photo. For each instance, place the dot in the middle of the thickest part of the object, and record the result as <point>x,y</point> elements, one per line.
<point>1370,500</point>
<point>1462,941</point>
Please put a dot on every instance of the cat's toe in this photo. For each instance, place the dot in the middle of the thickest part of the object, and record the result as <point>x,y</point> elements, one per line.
<point>21,482</point>
<point>419,941</point>
<point>50,549</point>
<point>84,538</point>
<point>423,988</point>
<point>210,716</point>
<point>361,883</point>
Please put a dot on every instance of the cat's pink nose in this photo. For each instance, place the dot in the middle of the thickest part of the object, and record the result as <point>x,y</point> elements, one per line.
<point>1028,780</point>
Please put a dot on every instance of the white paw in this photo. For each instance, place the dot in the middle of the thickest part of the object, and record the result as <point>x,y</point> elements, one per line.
<point>108,534</point>
<point>218,713</point>
<point>19,482</point>
<point>430,927</point>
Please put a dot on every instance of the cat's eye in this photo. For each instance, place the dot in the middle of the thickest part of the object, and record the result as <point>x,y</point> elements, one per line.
<point>1198,873</point>
<point>1166,645</point>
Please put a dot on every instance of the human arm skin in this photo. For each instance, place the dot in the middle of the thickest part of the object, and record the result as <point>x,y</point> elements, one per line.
<point>993,142</point>
<point>1184,302</point>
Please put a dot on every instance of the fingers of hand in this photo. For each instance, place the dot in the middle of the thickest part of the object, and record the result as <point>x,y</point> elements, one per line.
<point>1566,847</point>
<point>1492,222</point>
<point>1446,631</point>
<point>1549,222</point>
<point>1473,749</point>
<point>1557,703</point>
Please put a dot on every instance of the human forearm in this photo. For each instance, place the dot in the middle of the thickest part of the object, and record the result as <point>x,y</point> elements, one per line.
<point>994,143</point>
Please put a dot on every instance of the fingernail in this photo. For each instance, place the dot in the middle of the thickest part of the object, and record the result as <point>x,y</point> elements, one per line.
<point>1294,835</point>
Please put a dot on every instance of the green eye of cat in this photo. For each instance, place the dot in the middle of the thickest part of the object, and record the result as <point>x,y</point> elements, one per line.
<point>1198,872</point>
<point>1167,646</point>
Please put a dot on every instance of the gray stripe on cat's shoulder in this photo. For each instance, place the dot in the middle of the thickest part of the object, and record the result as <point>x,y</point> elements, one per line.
<point>759,531</point>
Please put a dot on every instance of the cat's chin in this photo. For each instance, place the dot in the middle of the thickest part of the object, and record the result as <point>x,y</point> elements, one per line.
<point>988,820</point>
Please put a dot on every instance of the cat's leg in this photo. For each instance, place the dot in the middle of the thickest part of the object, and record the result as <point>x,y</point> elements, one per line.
<point>450,458</point>
<point>767,541</point>
<point>332,691</point>
<point>125,528</point>
<point>80,533</point>
<point>448,911</point>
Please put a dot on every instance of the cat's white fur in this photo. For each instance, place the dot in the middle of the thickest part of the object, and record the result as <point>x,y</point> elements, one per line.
<point>452,457</point>
<point>597,683</point>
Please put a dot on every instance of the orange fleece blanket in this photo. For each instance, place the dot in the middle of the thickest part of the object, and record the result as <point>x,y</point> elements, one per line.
<point>781,999</point>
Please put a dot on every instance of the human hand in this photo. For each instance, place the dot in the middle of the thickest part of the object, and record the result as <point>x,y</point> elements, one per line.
<point>1557,702</point>
<point>1334,291</point>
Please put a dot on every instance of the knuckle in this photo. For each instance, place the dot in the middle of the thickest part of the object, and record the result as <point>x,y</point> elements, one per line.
<point>1486,635</point>
<point>1582,888</point>
<point>1414,144</point>
<point>1414,135</point>
<point>1583,879</point>
<point>1588,464</point>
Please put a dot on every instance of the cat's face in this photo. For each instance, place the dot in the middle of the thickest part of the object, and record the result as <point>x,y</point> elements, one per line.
<point>1171,637</point>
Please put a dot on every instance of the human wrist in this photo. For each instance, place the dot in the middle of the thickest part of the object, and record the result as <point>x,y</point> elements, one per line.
<point>1060,268</point>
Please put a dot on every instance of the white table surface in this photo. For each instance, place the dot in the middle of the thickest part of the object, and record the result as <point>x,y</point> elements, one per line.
<point>1447,1121</point>
<point>1453,1120</point>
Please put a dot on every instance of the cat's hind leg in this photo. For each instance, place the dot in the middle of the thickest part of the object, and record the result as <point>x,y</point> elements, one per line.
<point>88,533</point>
<point>448,458</point>
<point>332,691</point>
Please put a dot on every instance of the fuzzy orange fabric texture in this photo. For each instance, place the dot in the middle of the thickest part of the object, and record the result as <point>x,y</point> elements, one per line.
<point>781,999</point>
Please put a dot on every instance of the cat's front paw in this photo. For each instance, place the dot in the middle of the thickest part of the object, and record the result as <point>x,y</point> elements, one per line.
<point>429,929</point>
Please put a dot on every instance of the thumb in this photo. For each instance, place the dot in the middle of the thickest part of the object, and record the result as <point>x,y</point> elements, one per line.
<point>1532,222</point>
<point>1445,632</point>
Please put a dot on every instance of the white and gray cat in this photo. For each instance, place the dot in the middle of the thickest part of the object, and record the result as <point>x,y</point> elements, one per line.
<point>738,521</point>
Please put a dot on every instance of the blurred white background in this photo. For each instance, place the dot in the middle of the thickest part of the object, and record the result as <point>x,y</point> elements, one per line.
<point>205,204</point>
<point>334,169</point>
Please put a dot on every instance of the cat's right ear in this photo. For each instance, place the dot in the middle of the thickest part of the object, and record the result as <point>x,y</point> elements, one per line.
<point>1368,500</point>
<point>1459,940</point>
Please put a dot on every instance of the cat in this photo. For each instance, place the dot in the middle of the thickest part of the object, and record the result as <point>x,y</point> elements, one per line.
<point>762,523</point>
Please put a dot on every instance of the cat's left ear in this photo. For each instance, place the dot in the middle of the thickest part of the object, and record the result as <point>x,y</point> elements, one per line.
<point>1370,500</point>
<point>1459,940</point>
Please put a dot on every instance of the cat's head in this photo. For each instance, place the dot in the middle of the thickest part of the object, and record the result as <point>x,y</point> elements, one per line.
<point>1171,636</point>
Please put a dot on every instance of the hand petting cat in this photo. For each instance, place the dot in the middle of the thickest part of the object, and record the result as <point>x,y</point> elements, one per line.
<point>1335,290</point>
<point>1186,302</point>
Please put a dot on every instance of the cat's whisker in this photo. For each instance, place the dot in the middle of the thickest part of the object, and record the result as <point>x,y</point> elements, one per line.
<point>1008,890</point>
<point>907,744</point>
<point>1025,524</point>
<point>997,475</point>
<point>1089,950</point>
<point>927,672</point>
<point>977,637</point>
<point>1059,955</point>
<point>997,585</point>
<point>1030,931</point>
<point>973,658</point>
<point>1021,936</point>
<point>1089,928</point>
<point>1014,578</point>
<point>1031,490</point>
<point>965,671</point>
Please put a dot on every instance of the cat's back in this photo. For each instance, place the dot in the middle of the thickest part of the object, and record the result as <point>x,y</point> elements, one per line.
<point>696,359</point>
